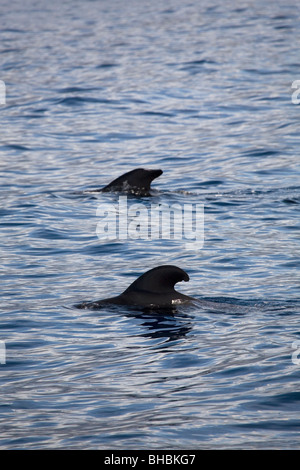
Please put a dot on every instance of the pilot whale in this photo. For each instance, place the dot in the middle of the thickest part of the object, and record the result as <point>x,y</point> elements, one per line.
<point>135,182</point>
<point>154,288</point>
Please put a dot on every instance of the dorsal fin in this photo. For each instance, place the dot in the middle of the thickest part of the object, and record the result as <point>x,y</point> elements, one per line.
<point>139,180</point>
<point>159,280</point>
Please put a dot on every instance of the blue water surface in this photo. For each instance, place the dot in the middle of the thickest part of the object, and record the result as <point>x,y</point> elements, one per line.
<point>202,90</point>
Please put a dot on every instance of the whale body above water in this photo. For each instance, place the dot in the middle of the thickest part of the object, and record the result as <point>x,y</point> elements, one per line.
<point>155,288</point>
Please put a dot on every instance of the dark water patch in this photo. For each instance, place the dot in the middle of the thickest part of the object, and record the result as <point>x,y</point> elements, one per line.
<point>284,26</point>
<point>14,30</point>
<point>98,248</point>
<point>266,71</point>
<point>211,183</point>
<point>17,147</point>
<point>275,425</point>
<point>292,264</point>
<point>198,66</point>
<point>291,200</point>
<point>10,50</point>
<point>156,113</point>
<point>226,203</point>
<point>78,89</point>
<point>43,251</point>
<point>32,116</point>
<point>81,100</point>
<point>120,137</point>
<point>6,212</point>
<point>48,234</point>
<point>285,401</point>
<point>107,65</point>
<point>200,62</point>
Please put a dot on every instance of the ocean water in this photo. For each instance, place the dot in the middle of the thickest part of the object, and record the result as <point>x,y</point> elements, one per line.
<point>202,90</point>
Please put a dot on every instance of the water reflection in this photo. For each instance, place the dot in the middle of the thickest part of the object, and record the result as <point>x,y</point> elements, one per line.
<point>164,323</point>
<point>170,323</point>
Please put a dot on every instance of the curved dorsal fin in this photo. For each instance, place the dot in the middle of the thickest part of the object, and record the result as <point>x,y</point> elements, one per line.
<point>159,280</point>
<point>134,179</point>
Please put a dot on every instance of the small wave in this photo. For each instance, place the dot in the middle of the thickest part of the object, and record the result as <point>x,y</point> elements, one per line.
<point>16,147</point>
<point>48,234</point>
<point>107,65</point>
